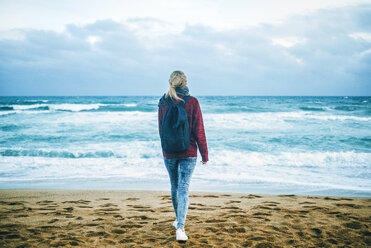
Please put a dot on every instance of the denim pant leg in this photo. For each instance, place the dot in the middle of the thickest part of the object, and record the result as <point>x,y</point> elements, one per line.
<point>186,168</point>
<point>180,172</point>
<point>172,166</point>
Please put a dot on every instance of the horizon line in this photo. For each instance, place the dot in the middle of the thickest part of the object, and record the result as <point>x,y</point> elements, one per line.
<point>191,94</point>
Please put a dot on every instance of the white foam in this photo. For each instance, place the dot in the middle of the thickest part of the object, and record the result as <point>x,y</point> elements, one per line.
<point>270,120</point>
<point>242,159</point>
<point>37,168</point>
<point>127,119</point>
<point>23,107</point>
<point>327,169</point>
<point>339,117</point>
<point>65,106</point>
<point>7,112</point>
<point>130,104</point>
<point>75,107</point>
<point>37,100</point>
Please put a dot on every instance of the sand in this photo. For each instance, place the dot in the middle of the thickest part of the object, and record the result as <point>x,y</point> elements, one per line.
<point>122,218</point>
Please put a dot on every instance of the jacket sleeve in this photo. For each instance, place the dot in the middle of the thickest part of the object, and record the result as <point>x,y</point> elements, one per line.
<point>160,114</point>
<point>199,131</point>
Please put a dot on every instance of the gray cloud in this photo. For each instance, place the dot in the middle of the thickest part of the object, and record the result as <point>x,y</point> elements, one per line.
<point>314,54</point>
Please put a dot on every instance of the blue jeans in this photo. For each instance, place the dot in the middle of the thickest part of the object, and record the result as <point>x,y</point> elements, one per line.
<point>180,171</point>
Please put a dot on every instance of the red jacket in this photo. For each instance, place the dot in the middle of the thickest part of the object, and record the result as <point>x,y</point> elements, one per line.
<point>196,127</point>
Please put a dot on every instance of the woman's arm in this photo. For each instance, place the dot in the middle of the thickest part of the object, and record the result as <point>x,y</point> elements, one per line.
<point>199,131</point>
<point>160,114</point>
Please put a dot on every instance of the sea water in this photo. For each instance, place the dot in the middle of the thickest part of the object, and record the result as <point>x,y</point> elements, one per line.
<point>273,145</point>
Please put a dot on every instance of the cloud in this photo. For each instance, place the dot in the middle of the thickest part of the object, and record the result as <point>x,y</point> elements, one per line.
<point>361,36</point>
<point>325,52</point>
<point>287,41</point>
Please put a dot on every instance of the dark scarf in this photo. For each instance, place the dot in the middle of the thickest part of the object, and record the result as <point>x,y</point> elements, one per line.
<point>184,91</point>
<point>179,91</point>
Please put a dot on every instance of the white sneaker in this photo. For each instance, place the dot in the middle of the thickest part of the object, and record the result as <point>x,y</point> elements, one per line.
<point>181,235</point>
<point>175,223</point>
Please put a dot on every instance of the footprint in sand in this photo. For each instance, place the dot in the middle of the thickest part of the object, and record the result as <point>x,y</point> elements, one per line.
<point>232,201</point>
<point>346,199</point>
<point>323,209</point>
<point>81,201</point>
<point>141,208</point>
<point>203,208</point>
<point>118,231</point>
<point>307,202</point>
<point>350,205</point>
<point>231,207</point>
<point>15,208</point>
<point>165,197</point>
<point>119,216</point>
<point>97,234</point>
<point>198,204</point>
<point>107,209</point>
<point>282,229</point>
<point>317,231</point>
<point>331,199</point>
<point>261,214</point>
<point>21,215</point>
<point>48,208</point>
<point>271,202</point>
<point>53,220</point>
<point>251,196</point>
<point>84,207</point>
<point>166,209</point>
<point>215,220</point>
<point>195,195</point>
<point>102,199</point>
<point>241,216</point>
<point>291,196</point>
<point>262,207</point>
<point>211,196</point>
<point>142,217</point>
<point>312,197</point>
<point>91,224</point>
<point>132,199</point>
<point>131,225</point>
<point>353,225</point>
<point>267,208</point>
<point>46,202</point>
<point>335,212</point>
<point>138,206</point>
<point>50,227</point>
<point>108,205</point>
<point>271,205</point>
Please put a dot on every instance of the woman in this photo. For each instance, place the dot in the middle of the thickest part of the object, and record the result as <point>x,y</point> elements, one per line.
<point>180,166</point>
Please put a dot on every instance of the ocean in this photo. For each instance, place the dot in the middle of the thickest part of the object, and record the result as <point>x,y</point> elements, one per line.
<point>271,145</point>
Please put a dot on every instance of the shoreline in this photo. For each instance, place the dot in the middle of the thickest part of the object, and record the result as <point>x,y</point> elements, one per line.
<point>264,188</point>
<point>132,218</point>
<point>190,191</point>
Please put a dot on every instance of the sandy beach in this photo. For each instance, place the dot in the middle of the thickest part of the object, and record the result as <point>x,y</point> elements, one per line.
<point>121,218</point>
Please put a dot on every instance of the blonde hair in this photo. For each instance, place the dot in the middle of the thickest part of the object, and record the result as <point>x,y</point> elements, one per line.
<point>177,80</point>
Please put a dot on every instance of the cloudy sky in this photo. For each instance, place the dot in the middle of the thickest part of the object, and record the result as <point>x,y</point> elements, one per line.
<point>92,47</point>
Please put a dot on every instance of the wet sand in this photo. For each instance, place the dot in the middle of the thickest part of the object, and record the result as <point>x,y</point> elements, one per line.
<point>129,218</point>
